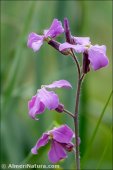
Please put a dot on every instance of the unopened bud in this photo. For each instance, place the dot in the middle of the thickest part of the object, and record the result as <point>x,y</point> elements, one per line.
<point>86,63</point>
<point>60,108</point>
<point>67,30</point>
<point>68,147</point>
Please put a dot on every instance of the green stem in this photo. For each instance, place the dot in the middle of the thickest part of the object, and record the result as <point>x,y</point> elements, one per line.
<point>69,113</point>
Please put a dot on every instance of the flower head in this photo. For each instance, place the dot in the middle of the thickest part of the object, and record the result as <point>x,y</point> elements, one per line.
<point>60,139</point>
<point>35,41</point>
<point>46,99</point>
<point>96,54</point>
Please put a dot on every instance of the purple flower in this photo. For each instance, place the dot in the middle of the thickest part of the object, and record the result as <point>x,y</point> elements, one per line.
<point>96,54</point>
<point>60,139</point>
<point>46,99</point>
<point>35,41</point>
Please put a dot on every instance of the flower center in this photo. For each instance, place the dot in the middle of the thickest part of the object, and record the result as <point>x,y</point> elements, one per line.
<point>50,136</point>
<point>47,39</point>
<point>88,46</point>
<point>42,86</point>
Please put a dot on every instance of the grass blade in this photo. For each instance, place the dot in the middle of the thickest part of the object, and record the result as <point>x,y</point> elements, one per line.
<point>17,60</point>
<point>102,157</point>
<point>95,131</point>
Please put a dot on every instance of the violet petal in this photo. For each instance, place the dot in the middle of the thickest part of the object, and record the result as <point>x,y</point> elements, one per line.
<point>59,84</point>
<point>49,98</point>
<point>77,48</point>
<point>56,152</point>
<point>55,29</point>
<point>35,106</point>
<point>41,142</point>
<point>97,57</point>
<point>82,40</point>
<point>35,41</point>
<point>62,134</point>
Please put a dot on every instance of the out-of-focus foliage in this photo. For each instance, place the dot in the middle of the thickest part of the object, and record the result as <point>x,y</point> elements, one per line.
<point>23,72</point>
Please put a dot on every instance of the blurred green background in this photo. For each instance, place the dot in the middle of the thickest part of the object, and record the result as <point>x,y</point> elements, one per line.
<point>23,72</point>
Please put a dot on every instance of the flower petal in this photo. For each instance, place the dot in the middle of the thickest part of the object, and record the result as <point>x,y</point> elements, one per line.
<point>77,48</point>
<point>35,106</point>
<point>35,41</point>
<point>82,40</point>
<point>62,134</point>
<point>55,29</point>
<point>56,152</point>
<point>59,84</point>
<point>49,98</point>
<point>97,57</point>
<point>41,142</point>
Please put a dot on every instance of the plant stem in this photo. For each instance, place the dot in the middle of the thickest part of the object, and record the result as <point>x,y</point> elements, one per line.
<point>77,63</point>
<point>76,123</point>
<point>76,116</point>
<point>80,78</point>
<point>69,113</point>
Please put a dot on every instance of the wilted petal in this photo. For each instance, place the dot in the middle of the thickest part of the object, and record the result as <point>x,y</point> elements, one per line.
<point>35,41</point>
<point>56,152</point>
<point>63,134</point>
<point>49,98</point>
<point>35,106</point>
<point>59,84</point>
<point>97,56</point>
<point>55,29</point>
<point>82,40</point>
<point>41,142</point>
<point>77,48</point>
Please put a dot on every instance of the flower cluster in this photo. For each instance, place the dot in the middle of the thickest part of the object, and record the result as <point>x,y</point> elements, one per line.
<point>94,55</point>
<point>60,137</point>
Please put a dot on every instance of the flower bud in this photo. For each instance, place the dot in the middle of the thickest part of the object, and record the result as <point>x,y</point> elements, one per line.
<point>67,30</point>
<point>68,147</point>
<point>60,108</point>
<point>86,63</point>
